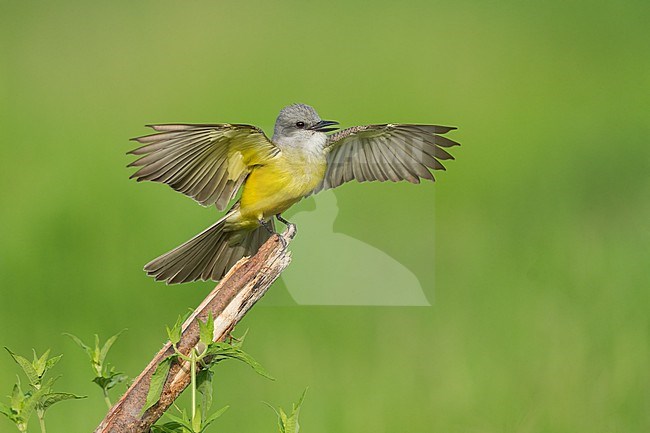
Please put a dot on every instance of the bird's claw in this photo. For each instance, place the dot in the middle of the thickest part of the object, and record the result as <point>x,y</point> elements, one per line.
<point>290,226</point>
<point>291,229</point>
<point>268,227</point>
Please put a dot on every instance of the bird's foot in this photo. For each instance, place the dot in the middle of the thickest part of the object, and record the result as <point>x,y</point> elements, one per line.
<point>291,226</point>
<point>268,226</point>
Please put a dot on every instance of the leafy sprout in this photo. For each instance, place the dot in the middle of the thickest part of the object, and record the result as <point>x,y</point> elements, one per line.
<point>39,397</point>
<point>202,358</point>
<point>289,423</point>
<point>106,377</point>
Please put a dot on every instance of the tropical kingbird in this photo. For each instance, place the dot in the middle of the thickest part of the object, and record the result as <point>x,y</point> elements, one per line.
<point>211,163</point>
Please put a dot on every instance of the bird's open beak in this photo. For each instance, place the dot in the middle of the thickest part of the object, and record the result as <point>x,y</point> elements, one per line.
<point>322,126</point>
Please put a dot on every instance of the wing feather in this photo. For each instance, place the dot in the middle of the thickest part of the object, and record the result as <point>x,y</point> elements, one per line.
<point>364,156</point>
<point>196,181</point>
<point>208,163</point>
<point>411,158</point>
<point>402,169</point>
<point>168,167</point>
<point>375,165</point>
<point>357,171</point>
<point>385,158</point>
<point>336,166</point>
<point>386,152</point>
<point>415,156</point>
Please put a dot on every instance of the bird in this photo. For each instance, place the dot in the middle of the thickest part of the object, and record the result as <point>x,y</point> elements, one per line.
<point>213,163</point>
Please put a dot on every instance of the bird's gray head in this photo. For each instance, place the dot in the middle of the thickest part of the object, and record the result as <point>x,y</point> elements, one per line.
<point>300,122</point>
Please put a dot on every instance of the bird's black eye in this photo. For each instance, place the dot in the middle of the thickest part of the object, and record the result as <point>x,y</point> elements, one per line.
<point>300,125</point>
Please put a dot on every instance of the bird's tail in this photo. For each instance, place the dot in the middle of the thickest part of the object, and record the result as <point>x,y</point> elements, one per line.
<point>208,255</point>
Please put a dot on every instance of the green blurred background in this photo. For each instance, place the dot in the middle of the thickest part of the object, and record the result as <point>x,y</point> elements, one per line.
<point>538,275</point>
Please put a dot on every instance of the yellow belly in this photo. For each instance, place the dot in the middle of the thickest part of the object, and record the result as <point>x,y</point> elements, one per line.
<point>273,188</point>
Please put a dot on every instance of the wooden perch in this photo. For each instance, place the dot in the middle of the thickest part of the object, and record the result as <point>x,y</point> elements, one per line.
<point>235,294</point>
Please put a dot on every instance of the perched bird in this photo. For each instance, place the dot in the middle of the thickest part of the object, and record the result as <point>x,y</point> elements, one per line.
<point>211,163</point>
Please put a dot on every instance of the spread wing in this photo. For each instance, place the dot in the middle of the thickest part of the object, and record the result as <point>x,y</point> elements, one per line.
<point>389,152</point>
<point>206,162</point>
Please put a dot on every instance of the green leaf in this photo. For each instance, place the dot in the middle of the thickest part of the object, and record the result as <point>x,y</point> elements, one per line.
<point>55,397</point>
<point>280,427</point>
<point>206,329</point>
<point>107,346</point>
<point>32,399</point>
<point>239,342</point>
<point>292,425</point>
<point>289,423</point>
<point>213,417</point>
<point>5,410</point>
<point>204,387</point>
<point>297,405</point>
<point>222,351</point>
<point>81,344</point>
<point>95,357</point>
<point>157,382</point>
<point>51,363</point>
<point>17,398</point>
<point>27,367</point>
<point>9,413</point>
<point>92,353</point>
<point>174,333</point>
<point>110,379</point>
<point>39,363</point>
<point>168,427</point>
<point>284,418</point>
<point>182,421</point>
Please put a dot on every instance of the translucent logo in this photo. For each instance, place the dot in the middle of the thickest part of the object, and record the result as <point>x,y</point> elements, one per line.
<point>338,269</point>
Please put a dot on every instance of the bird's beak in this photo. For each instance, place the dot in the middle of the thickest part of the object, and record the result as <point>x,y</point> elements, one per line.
<point>322,126</point>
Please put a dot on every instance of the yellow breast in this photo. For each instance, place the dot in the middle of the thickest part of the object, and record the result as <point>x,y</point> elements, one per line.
<point>272,188</point>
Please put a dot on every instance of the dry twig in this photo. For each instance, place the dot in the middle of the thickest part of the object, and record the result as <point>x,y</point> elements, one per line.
<point>235,294</point>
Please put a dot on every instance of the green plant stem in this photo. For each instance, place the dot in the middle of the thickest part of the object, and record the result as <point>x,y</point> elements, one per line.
<point>107,399</point>
<point>193,378</point>
<point>41,421</point>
